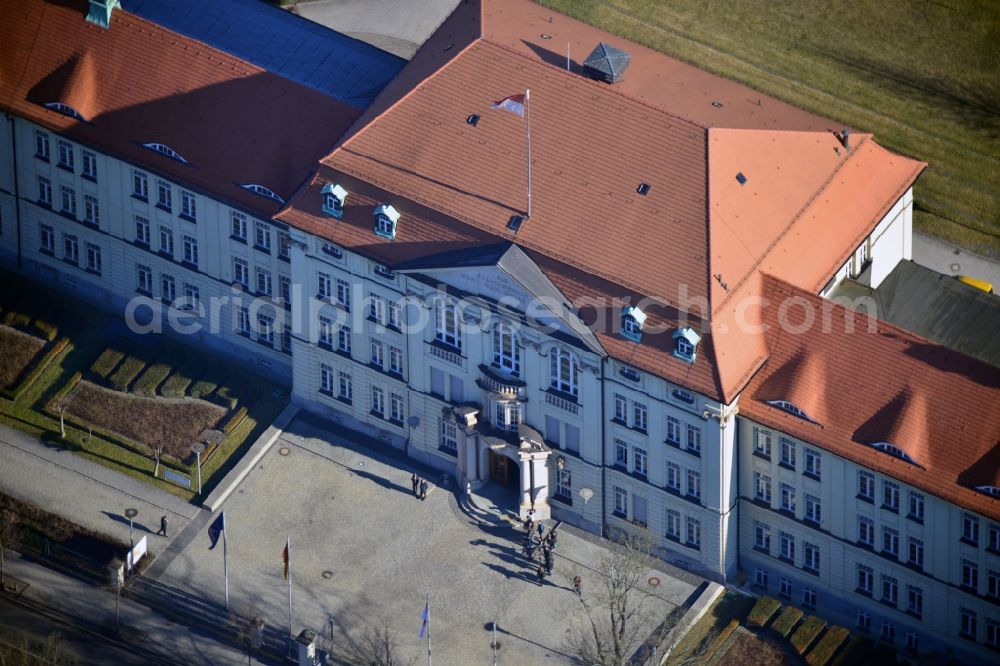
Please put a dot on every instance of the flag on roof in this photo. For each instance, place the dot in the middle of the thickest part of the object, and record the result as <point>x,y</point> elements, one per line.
<point>425,618</point>
<point>513,103</point>
<point>217,527</point>
<point>284,558</point>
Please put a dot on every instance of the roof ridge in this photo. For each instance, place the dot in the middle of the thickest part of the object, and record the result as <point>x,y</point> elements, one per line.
<point>791,222</point>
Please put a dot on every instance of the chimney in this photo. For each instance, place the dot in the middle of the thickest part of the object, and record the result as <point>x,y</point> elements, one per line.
<point>100,12</point>
<point>606,63</point>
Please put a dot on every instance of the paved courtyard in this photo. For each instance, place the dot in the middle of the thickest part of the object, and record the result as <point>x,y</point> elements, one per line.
<point>364,549</point>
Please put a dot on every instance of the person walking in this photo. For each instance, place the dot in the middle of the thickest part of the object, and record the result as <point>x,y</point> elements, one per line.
<point>552,539</point>
<point>576,585</point>
<point>415,481</point>
<point>541,528</point>
<point>540,572</point>
<point>423,489</point>
<point>163,526</point>
<point>549,561</point>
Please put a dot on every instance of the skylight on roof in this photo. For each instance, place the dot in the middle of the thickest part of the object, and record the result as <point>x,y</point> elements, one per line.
<point>262,191</point>
<point>643,189</point>
<point>894,451</point>
<point>166,150</point>
<point>473,119</point>
<point>515,222</point>
<point>792,409</point>
<point>65,109</point>
<point>740,178</point>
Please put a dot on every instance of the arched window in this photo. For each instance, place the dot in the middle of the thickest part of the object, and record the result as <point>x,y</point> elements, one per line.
<point>564,370</point>
<point>506,349</point>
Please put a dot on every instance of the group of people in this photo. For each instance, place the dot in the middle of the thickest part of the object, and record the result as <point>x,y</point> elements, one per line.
<point>420,486</point>
<point>543,544</point>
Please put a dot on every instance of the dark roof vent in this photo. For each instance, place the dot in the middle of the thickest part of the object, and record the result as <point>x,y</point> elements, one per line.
<point>472,120</point>
<point>643,189</point>
<point>606,63</point>
<point>515,222</point>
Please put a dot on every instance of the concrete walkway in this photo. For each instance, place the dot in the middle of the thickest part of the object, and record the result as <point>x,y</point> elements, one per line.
<point>949,259</point>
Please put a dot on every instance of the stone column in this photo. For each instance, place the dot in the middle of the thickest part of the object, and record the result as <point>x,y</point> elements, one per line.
<point>524,465</point>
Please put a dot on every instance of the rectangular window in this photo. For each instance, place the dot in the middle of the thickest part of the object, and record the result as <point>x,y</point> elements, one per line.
<point>812,464</point>
<point>191,250</point>
<point>449,436</point>
<point>168,292</point>
<point>323,289</point>
<point>41,145</point>
<point>639,414</point>
<point>673,431</point>
<point>993,583</point>
<point>71,248</point>
<point>866,531</point>
<point>866,486</point>
<point>285,284</point>
<point>263,282</point>
<point>693,532</point>
<point>762,442</point>
<point>346,388</point>
<point>760,577</point>
<point>68,200</point>
<point>265,330</point>
<point>890,590</point>
<point>762,487</point>
<point>44,191</point>
<point>970,529</point>
<point>912,642</point>
<point>572,438</point>
<point>621,453</point>
<point>621,408</point>
<point>914,601</point>
<point>673,524</point>
<point>916,506</point>
<point>284,243</point>
<point>813,511</point>
<point>446,325</point>
<point>140,184</point>
<point>968,623</point>
<point>141,231</point>
<point>890,496</point>
<point>762,537</point>
<point>89,165</point>
<point>166,241</point>
<point>91,212</point>
<point>262,237</point>
<point>788,498</point>
<point>994,536</point>
<point>376,309</point>
<point>188,209</point>
<point>65,154</point>
<point>970,575</point>
<point>888,631</point>
<point>694,484</point>
<point>144,279</point>
<point>93,258</point>
<point>395,360</point>
<point>866,579</point>
<point>786,549</point>
<point>48,239</point>
<point>564,484</point>
<point>192,296</point>
<point>552,430</point>
<point>344,294</point>
<point>396,411</point>
<point>376,357</point>
<point>809,597</point>
<point>325,379</point>
<point>621,502</point>
<point>785,588</point>
<point>378,401</point>
<point>787,452</point>
<point>673,476</point>
<point>396,316</point>
<point>241,272</point>
<point>694,439</point>
<point>286,339</point>
<point>916,552</point>
<point>639,462</point>
<point>992,633</point>
<point>811,557</point>
<point>864,620</point>
<point>243,321</point>
<point>325,332</point>
<point>890,541</point>
<point>164,198</point>
<point>344,339</point>
<point>238,226</point>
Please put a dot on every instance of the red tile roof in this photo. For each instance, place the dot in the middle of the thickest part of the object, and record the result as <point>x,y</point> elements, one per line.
<point>138,83</point>
<point>864,382</point>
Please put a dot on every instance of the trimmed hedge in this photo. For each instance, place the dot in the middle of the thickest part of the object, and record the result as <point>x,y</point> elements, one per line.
<point>234,420</point>
<point>719,641</point>
<point>827,646</point>
<point>106,363</point>
<point>763,610</point>
<point>187,371</point>
<point>807,633</point>
<point>156,373</point>
<point>787,620</point>
<point>64,391</point>
<point>126,373</point>
<point>48,331</point>
<point>15,392</point>
<point>16,319</point>
<point>213,378</point>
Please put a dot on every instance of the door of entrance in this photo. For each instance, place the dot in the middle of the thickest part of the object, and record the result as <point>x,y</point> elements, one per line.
<point>499,471</point>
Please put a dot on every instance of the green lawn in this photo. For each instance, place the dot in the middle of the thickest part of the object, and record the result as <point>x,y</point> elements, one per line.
<point>922,76</point>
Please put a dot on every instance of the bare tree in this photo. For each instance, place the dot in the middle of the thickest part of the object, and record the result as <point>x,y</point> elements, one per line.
<point>156,450</point>
<point>623,614</point>
<point>374,647</point>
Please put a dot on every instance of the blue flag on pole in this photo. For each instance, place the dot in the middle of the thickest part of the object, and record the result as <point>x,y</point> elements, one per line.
<point>215,529</point>
<point>425,617</point>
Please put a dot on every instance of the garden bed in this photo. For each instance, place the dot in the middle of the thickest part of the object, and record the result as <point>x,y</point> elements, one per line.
<point>747,648</point>
<point>17,351</point>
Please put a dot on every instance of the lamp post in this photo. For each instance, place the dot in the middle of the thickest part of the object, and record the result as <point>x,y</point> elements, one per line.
<point>130,513</point>
<point>197,448</point>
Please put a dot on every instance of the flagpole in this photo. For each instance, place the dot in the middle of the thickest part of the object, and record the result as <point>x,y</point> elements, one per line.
<point>288,547</point>
<point>527,117</point>
<point>225,556</point>
<point>428,629</point>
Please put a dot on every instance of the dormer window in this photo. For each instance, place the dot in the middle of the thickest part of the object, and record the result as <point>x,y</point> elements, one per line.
<point>632,320</point>
<point>165,150</point>
<point>262,191</point>
<point>993,491</point>
<point>894,451</point>
<point>65,109</point>
<point>686,344</point>
<point>334,197</point>
<point>789,407</point>
<point>385,221</point>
